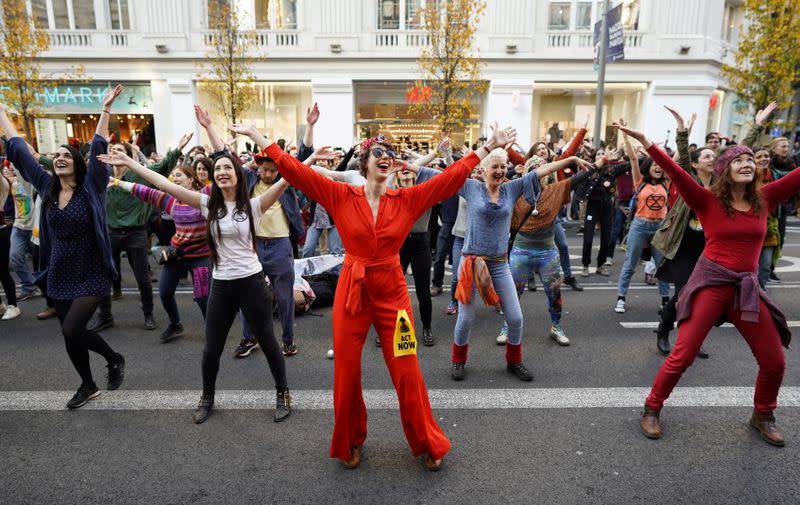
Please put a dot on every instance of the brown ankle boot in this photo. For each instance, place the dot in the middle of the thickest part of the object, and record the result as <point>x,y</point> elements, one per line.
<point>431,464</point>
<point>650,424</point>
<point>765,424</point>
<point>355,458</point>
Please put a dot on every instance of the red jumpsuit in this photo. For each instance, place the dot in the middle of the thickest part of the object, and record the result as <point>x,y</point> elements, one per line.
<point>370,292</point>
<point>735,243</point>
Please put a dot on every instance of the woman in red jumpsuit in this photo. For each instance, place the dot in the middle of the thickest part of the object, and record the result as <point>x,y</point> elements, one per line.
<point>724,282</point>
<point>373,222</point>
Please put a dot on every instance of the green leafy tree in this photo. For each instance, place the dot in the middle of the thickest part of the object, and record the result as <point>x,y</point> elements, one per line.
<point>767,60</point>
<point>449,65</point>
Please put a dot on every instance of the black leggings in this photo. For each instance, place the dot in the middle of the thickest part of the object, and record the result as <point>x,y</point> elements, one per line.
<point>670,311</point>
<point>251,295</point>
<point>416,251</point>
<point>5,271</point>
<point>602,212</point>
<point>74,315</point>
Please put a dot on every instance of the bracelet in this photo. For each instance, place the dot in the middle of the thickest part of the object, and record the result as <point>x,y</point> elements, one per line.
<point>605,160</point>
<point>107,111</point>
<point>116,182</point>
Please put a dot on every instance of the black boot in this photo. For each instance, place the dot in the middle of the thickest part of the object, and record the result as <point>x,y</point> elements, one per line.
<point>573,283</point>
<point>204,408</point>
<point>662,340</point>
<point>283,405</point>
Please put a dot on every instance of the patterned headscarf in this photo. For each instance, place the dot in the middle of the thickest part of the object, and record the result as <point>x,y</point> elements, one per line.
<point>722,162</point>
<point>367,143</point>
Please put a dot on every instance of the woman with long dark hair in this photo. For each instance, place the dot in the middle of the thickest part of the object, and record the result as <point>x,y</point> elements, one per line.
<point>237,280</point>
<point>724,282</point>
<point>10,311</point>
<point>373,221</point>
<point>75,248</point>
<point>188,251</point>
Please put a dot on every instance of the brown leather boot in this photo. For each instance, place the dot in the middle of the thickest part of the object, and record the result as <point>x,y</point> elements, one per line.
<point>355,458</point>
<point>433,465</point>
<point>650,424</point>
<point>765,424</point>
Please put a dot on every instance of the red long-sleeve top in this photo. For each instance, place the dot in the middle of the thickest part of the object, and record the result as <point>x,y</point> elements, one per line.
<point>731,241</point>
<point>572,148</point>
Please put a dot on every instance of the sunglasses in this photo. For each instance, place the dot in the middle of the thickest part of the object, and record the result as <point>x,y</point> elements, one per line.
<point>379,152</point>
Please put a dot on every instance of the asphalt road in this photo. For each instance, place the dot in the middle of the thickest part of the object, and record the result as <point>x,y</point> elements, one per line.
<point>508,446</point>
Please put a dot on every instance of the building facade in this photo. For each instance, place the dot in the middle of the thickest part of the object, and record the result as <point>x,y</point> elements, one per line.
<point>357,59</point>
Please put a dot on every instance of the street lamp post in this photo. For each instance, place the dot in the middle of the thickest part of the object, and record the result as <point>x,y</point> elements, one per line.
<point>601,74</point>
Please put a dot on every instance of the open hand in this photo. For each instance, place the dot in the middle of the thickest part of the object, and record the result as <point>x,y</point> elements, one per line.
<point>635,134</point>
<point>111,95</point>
<point>326,153</point>
<point>312,114</point>
<point>765,113</point>
<point>243,129</point>
<point>202,116</point>
<point>184,140</point>
<point>116,159</point>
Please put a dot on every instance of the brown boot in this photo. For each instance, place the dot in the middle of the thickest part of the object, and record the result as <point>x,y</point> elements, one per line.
<point>355,458</point>
<point>433,465</point>
<point>650,424</point>
<point>765,424</point>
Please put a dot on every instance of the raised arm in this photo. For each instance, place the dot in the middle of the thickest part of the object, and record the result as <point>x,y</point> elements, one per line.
<point>154,197</point>
<point>312,116</point>
<point>682,132</point>
<point>695,196</point>
<point>758,127</point>
<point>19,154</point>
<point>204,119</point>
<point>168,162</point>
<point>108,100</point>
<point>782,189</point>
<point>272,195</point>
<point>187,196</point>
<point>5,187</point>
<point>554,166</point>
<point>574,144</point>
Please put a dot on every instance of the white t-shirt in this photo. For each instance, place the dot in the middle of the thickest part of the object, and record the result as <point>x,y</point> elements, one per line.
<point>237,259</point>
<point>353,178</point>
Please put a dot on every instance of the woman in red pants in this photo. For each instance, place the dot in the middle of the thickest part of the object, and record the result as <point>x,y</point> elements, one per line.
<point>373,222</point>
<point>724,283</point>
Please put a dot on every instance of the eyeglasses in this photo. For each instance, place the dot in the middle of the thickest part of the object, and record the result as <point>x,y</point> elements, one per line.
<point>379,152</point>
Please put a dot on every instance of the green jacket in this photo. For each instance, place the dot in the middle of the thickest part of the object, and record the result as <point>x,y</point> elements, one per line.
<point>668,238</point>
<point>123,210</point>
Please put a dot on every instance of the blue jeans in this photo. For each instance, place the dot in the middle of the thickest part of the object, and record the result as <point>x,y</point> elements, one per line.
<point>765,265</point>
<point>563,249</point>
<point>458,245</point>
<point>616,230</point>
<point>527,262</point>
<point>640,232</point>
<point>21,247</point>
<point>171,274</point>
<point>509,301</point>
<point>312,240</point>
<point>444,245</point>
<point>275,255</point>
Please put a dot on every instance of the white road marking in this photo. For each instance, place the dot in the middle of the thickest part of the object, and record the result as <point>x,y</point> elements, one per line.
<point>643,325</point>
<point>535,398</point>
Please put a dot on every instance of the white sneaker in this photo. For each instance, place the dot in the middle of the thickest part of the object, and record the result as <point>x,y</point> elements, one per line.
<point>620,307</point>
<point>330,353</point>
<point>609,262</point>
<point>502,338</point>
<point>585,272</point>
<point>557,334</point>
<point>12,312</point>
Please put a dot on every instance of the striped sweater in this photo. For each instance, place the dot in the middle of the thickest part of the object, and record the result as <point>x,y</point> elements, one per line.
<point>191,233</point>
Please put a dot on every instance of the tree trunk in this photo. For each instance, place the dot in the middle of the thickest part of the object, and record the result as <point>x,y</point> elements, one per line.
<point>27,126</point>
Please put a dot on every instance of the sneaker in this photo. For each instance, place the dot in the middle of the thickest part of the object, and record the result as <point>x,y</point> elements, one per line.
<point>116,372</point>
<point>520,371</point>
<point>84,394</point>
<point>585,272</point>
<point>330,354</point>
<point>30,294</point>
<point>48,313</point>
<point>603,270</point>
<point>573,283</point>
<point>101,323</point>
<point>173,331</point>
<point>458,372</point>
<point>245,348</point>
<point>502,338</point>
<point>204,408</point>
<point>12,312</point>
<point>436,290</point>
<point>289,349</point>
<point>580,231</point>
<point>452,309</point>
<point>427,338</point>
<point>117,294</point>
<point>557,334</point>
<point>609,262</point>
<point>283,406</point>
<point>531,284</point>
<point>619,308</point>
<point>150,323</point>
<point>773,277</point>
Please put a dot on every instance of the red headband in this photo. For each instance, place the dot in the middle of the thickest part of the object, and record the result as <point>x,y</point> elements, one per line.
<point>380,139</point>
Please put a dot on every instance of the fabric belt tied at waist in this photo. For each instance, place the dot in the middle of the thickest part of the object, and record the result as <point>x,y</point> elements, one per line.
<point>474,271</point>
<point>358,271</point>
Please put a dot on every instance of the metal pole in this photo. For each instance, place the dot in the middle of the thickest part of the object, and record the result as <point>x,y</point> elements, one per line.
<point>601,75</point>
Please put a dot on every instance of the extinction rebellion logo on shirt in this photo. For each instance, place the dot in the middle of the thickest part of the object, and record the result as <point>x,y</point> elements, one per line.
<point>655,201</point>
<point>239,217</point>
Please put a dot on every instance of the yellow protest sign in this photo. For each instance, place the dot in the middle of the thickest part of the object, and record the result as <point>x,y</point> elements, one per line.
<point>405,342</point>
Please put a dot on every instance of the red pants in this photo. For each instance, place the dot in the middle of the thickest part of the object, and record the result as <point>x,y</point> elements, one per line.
<point>708,304</point>
<point>383,294</point>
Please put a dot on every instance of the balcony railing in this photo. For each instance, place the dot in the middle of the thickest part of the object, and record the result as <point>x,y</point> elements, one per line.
<point>77,39</point>
<point>402,38</point>
<point>262,38</point>
<point>583,39</point>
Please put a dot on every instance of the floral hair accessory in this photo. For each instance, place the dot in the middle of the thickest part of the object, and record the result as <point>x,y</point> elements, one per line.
<point>380,139</point>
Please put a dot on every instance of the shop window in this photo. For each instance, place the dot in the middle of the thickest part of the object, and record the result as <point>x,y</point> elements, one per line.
<point>584,16</point>
<point>263,14</point>
<point>120,17</point>
<point>388,14</point>
<point>559,16</point>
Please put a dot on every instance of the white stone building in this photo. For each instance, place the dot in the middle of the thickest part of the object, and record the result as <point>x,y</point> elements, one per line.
<point>356,58</point>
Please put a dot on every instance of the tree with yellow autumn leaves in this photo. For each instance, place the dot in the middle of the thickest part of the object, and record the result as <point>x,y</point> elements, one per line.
<point>451,69</point>
<point>767,60</point>
<point>22,79</point>
<point>229,76</point>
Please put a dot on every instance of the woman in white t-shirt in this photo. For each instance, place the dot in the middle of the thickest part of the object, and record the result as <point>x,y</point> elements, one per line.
<point>237,280</point>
